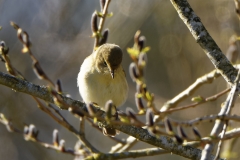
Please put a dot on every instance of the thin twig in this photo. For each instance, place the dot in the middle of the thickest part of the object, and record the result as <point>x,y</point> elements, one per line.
<point>130,142</point>
<point>83,138</point>
<point>24,38</point>
<point>212,98</point>
<point>205,118</point>
<point>8,124</point>
<point>31,137</point>
<point>101,23</point>
<point>225,110</point>
<point>58,113</point>
<point>79,135</point>
<point>207,78</point>
<point>228,110</point>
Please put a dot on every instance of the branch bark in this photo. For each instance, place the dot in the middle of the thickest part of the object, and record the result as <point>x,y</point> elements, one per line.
<point>130,154</point>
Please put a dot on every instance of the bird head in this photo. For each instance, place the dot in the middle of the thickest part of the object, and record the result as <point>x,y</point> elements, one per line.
<point>108,58</point>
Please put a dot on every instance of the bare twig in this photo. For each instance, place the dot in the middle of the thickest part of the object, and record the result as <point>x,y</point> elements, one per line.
<point>208,78</point>
<point>57,112</point>
<point>80,135</point>
<point>205,118</point>
<point>130,142</point>
<point>101,23</point>
<point>24,38</point>
<point>30,134</point>
<point>5,58</point>
<point>203,100</point>
<point>8,124</point>
<point>225,110</point>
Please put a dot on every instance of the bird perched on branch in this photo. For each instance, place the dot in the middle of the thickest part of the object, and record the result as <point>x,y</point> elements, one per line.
<point>102,78</point>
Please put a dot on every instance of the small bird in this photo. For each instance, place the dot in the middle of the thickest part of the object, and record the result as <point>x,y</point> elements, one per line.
<point>102,78</point>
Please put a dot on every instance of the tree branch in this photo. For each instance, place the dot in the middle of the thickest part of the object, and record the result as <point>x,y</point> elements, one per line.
<point>139,133</point>
<point>130,154</point>
<point>204,39</point>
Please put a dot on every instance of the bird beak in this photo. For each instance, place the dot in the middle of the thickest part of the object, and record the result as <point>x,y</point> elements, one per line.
<point>112,73</point>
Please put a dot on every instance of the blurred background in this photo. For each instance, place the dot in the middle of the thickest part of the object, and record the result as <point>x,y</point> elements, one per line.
<point>60,34</point>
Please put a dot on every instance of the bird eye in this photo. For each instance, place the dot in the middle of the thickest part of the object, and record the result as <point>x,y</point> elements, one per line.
<point>105,64</point>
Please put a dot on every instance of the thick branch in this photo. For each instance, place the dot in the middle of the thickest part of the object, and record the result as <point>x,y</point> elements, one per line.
<point>204,39</point>
<point>139,133</point>
<point>41,92</point>
<point>131,154</point>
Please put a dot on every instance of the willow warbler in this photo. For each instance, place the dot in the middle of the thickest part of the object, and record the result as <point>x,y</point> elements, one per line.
<point>102,78</point>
